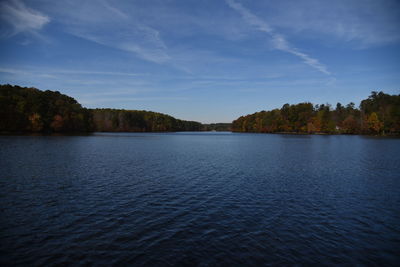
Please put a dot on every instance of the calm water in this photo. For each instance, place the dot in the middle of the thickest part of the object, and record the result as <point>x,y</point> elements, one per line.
<point>199,199</point>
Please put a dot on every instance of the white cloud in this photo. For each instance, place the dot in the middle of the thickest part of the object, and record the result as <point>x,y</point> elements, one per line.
<point>279,42</point>
<point>109,100</point>
<point>362,23</point>
<point>102,23</point>
<point>20,18</point>
<point>48,72</point>
<point>112,73</point>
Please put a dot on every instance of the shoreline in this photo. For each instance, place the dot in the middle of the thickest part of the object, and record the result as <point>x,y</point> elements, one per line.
<point>275,133</point>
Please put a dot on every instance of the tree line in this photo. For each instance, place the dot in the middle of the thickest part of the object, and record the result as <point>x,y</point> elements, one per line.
<point>118,120</point>
<point>378,114</point>
<point>25,109</point>
<point>219,127</point>
<point>28,110</point>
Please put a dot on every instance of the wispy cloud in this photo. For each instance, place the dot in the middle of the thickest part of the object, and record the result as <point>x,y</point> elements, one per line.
<point>98,23</point>
<point>112,73</point>
<point>13,71</point>
<point>109,100</point>
<point>142,41</point>
<point>20,18</point>
<point>66,72</point>
<point>358,23</point>
<point>279,41</point>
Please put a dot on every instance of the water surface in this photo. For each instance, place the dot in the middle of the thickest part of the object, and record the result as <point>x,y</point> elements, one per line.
<point>199,199</point>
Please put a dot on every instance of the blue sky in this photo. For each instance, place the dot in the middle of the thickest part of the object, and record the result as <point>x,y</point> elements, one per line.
<point>210,61</point>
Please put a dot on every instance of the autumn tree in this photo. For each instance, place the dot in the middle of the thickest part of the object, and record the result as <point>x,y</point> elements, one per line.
<point>373,124</point>
<point>380,113</point>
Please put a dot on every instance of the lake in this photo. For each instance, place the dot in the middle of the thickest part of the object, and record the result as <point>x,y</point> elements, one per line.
<point>207,199</point>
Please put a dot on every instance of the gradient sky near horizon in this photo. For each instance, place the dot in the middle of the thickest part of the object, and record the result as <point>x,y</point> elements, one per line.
<point>209,61</point>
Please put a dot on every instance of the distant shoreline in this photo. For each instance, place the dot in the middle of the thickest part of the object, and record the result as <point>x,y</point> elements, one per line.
<point>32,111</point>
<point>169,132</point>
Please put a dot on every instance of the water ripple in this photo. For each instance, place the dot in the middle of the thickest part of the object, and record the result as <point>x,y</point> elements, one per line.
<point>206,200</point>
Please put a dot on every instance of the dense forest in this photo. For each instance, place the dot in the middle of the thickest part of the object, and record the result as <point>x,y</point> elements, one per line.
<point>378,114</point>
<point>25,109</point>
<point>117,120</point>
<point>31,110</point>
